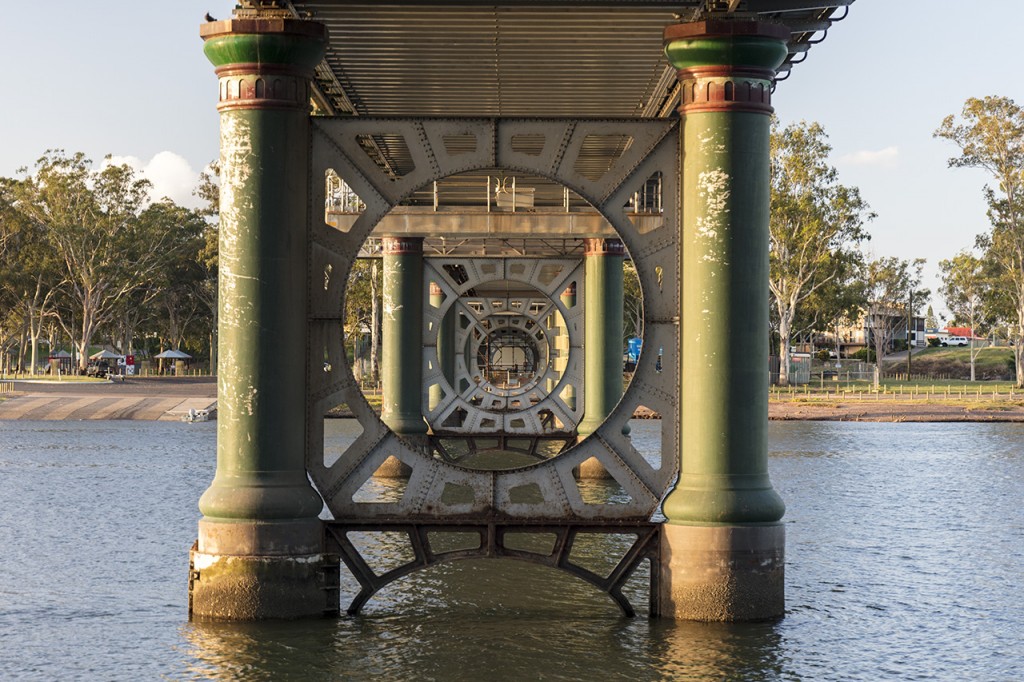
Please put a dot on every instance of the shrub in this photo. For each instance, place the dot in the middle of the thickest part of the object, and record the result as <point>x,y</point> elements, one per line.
<point>933,342</point>
<point>823,355</point>
<point>866,354</point>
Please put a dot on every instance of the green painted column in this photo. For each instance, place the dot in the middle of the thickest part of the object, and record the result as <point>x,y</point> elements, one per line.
<point>602,339</point>
<point>723,545</point>
<point>260,548</point>
<point>568,298</point>
<point>445,344</point>
<point>402,357</point>
<point>602,331</point>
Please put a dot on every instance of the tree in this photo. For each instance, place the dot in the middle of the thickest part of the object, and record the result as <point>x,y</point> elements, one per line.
<point>91,221</point>
<point>29,277</point>
<point>632,303</point>
<point>209,191</point>
<point>815,227</point>
<point>890,283</point>
<point>990,135</point>
<point>362,309</point>
<point>179,284</point>
<point>964,292</point>
<point>838,303</point>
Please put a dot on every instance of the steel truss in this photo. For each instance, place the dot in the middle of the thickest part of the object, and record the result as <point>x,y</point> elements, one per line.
<point>491,537</point>
<point>338,145</point>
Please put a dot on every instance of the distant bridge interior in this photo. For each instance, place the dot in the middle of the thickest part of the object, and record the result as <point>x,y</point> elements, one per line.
<point>502,171</point>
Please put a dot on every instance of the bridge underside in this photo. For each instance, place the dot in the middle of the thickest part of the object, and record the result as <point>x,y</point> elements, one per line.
<point>527,146</point>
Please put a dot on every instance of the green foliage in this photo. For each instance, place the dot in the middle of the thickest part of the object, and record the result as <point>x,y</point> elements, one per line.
<point>823,355</point>
<point>991,364</point>
<point>864,354</point>
<point>990,135</point>
<point>815,228</point>
<point>84,247</point>
<point>892,285</point>
<point>632,304</point>
<point>933,342</point>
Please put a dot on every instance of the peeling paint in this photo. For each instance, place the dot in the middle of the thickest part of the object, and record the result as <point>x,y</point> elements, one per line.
<point>388,305</point>
<point>201,562</point>
<point>250,397</point>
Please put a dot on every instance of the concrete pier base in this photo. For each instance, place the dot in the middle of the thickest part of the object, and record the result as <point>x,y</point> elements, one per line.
<point>592,469</point>
<point>393,468</point>
<point>225,587</point>
<point>722,573</point>
<point>254,571</point>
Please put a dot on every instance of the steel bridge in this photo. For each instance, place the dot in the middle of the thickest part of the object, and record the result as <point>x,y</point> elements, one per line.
<point>501,162</point>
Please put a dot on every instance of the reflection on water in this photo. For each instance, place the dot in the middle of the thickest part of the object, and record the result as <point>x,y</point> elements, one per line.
<point>905,557</point>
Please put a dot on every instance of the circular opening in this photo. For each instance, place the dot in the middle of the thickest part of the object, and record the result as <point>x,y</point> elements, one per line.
<point>504,315</point>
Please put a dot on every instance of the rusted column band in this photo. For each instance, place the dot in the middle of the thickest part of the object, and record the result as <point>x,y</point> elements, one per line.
<point>722,64</point>
<point>597,246</point>
<point>398,246</point>
<point>258,67</point>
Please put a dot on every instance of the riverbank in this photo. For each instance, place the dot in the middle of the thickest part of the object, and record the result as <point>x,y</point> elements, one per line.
<point>896,410</point>
<point>883,411</point>
<point>167,398</point>
<point>140,399</point>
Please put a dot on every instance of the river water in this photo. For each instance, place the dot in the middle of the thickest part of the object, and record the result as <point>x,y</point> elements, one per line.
<point>905,561</point>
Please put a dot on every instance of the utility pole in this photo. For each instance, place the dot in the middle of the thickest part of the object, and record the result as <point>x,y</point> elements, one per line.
<point>910,319</point>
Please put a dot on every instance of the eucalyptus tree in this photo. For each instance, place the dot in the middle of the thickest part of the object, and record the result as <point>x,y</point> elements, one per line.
<point>362,296</point>
<point>816,224</point>
<point>838,303</point>
<point>91,221</point>
<point>990,135</point>
<point>890,284</point>
<point>179,284</point>
<point>966,286</point>
<point>30,276</point>
<point>208,191</point>
<point>632,303</point>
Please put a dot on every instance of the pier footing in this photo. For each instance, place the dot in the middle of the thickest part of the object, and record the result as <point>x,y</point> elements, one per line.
<point>246,571</point>
<point>722,573</point>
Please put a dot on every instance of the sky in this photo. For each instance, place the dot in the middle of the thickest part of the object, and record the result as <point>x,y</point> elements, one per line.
<point>128,78</point>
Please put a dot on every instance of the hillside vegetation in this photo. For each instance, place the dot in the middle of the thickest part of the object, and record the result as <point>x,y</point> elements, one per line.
<point>991,364</point>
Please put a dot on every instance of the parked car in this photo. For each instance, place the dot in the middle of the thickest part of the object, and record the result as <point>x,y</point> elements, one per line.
<point>955,341</point>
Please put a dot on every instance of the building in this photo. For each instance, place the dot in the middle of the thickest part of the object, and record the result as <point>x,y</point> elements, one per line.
<point>878,319</point>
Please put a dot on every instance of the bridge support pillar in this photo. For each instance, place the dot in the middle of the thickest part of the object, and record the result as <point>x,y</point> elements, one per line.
<point>564,344</point>
<point>723,543</point>
<point>602,344</point>
<point>402,356</point>
<point>260,551</point>
<point>445,344</point>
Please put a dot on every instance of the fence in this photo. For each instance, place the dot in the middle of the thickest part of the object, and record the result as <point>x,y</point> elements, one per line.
<point>6,387</point>
<point>799,369</point>
<point>1005,392</point>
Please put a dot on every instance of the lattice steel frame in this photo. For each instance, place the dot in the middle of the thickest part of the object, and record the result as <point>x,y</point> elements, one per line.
<point>654,148</point>
<point>497,411</point>
<point>492,543</point>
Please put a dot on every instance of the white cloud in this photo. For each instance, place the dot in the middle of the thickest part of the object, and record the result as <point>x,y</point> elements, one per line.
<point>171,175</point>
<point>885,158</point>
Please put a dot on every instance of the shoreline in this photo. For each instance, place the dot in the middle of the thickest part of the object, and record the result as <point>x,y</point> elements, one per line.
<point>142,399</point>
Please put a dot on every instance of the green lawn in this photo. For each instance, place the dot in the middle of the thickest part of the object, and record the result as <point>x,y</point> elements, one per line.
<point>947,364</point>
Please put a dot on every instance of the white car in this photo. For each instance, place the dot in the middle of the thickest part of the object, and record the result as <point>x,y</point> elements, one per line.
<point>955,341</point>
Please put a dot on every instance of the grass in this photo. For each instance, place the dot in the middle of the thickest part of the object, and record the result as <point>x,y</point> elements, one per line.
<point>992,363</point>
